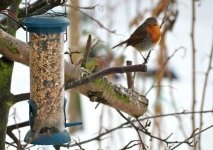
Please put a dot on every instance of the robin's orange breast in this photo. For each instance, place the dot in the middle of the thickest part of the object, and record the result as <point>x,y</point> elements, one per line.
<point>154,32</point>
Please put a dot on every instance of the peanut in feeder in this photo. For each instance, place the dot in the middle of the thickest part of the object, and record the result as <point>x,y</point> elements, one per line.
<point>47,104</point>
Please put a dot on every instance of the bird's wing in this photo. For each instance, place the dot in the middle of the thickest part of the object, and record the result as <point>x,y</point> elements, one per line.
<point>137,37</point>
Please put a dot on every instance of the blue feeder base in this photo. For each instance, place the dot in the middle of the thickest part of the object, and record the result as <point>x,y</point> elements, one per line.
<point>56,138</point>
<point>47,138</point>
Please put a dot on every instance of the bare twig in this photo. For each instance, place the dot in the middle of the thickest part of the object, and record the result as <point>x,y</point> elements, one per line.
<point>12,136</point>
<point>104,72</point>
<point>128,146</point>
<point>193,64</point>
<point>100,124</point>
<point>163,67</point>
<point>179,119</point>
<point>92,18</point>
<point>194,134</point>
<point>42,9</point>
<point>126,125</point>
<point>21,97</point>
<point>130,80</point>
<point>90,45</point>
<point>204,89</point>
<point>15,139</point>
<point>18,125</point>
<point>85,7</point>
<point>175,114</point>
<point>136,128</point>
<point>79,146</point>
<point>87,50</point>
<point>163,21</point>
<point>16,21</point>
<point>10,144</point>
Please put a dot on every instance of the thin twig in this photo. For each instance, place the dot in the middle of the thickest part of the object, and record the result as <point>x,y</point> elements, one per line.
<point>100,124</point>
<point>136,129</point>
<point>175,114</point>
<point>174,104</point>
<point>193,64</point>
<point>194,134</point>
<point>18,125</point>
<point>16,21</point>
<point>204,89</point>
<point>10,144</point>
<point>21,97</point>
<point>98,22</point>
<point>163,67</point>
<point>85,7</point>
<point>15,139</point>
<point>128,146</point>
<point>79,145</point>
<point>125,125</point>
<point>164,16</point>
<point>104,72</point>
<point>87,50</point>
<point>130,81</point>
<point>12,135</point>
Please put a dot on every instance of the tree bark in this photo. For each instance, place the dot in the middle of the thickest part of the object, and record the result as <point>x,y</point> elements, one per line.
<point>6,67</point>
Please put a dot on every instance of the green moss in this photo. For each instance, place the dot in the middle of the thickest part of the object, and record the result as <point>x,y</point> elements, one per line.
<point>104,84</point>
<point>90,64</point>
<point>9,103</point>
<point>122,97</point>
<point>13,49</point>
<point>8,46</point>
<point>5,73</point>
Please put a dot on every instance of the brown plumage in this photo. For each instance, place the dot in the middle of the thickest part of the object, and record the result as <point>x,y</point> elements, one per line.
<point>145,37</point>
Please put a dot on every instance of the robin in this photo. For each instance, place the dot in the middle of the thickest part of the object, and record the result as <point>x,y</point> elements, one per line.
<point>145,37</point>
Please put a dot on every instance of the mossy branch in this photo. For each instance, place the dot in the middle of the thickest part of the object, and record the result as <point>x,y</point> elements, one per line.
<point>99,90</point>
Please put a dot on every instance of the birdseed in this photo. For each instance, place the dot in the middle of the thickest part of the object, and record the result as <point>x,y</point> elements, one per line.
<point>47,80</point>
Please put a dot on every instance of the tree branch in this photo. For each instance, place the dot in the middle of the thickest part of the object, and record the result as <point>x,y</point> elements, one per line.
<point>193,64</point>
<point>98,90</point>
<point>104,72</point>
<point>21,97</point>
<point>126,124</point>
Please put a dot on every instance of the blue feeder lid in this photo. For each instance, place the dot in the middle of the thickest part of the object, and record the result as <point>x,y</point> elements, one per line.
<point>46,24</point>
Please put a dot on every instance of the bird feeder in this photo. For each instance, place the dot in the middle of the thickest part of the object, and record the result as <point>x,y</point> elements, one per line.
<point>47,104</point>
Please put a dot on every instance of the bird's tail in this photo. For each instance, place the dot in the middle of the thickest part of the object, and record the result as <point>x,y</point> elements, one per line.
<point>119,44</point>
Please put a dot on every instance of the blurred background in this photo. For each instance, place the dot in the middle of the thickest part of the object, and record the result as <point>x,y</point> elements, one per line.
<point>169,88</point>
